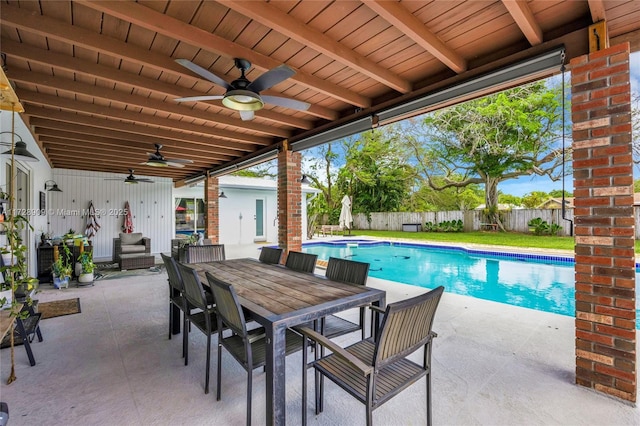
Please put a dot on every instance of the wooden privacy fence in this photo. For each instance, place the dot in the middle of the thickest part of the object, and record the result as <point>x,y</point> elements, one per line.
<point>514,220</point>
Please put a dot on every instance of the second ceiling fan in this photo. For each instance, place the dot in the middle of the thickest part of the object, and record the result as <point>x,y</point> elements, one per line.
<point>242,94</point>
<point>156,159</point>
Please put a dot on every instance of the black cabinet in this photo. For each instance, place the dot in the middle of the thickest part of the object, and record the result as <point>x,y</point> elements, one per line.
<point>45,260</point>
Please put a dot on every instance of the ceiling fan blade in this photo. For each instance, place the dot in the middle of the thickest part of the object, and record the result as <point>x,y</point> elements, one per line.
<point>246,115</point>
<point>271,78</point>
<point>174,164</point>
<point>179,160</point>
<point>286,102</point>
<point>204,73</point>
<point>199,98</point>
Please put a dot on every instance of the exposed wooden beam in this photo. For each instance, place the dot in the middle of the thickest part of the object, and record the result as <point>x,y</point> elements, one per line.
<point>597,9</point>
<point>127,79</point>
<point>40,99</point>
<point>148,18</point>
<point>399,17</point>
<point>272,17</point>
<point>62,120</point>
<point>173,150</point>
<point>522,15</point>
<point>109,95</point>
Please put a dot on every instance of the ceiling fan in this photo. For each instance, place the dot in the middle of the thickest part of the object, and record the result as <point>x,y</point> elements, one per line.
<point>156,159</point>
<point>131,179</point>
<point>243,95</point>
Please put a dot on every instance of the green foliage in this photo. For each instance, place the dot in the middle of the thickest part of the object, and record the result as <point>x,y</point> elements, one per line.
<point>62,266</point>
<point>541,227</point>
<point>445,226</point>
<point>376,174</point>
<point>534,199</point>
<point>509,199</point>
<point>491,139</point>
<point>86,260</point>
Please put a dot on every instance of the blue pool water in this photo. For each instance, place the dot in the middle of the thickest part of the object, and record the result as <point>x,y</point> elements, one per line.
<point>545,283</point>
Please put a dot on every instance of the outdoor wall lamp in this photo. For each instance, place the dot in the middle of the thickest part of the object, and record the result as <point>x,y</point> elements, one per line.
<point>51,185</point>
<point>305,180</point>
<point>222,195</point>
<point>20,151</point>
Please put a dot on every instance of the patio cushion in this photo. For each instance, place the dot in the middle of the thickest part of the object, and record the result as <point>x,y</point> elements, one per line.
<point>128,239</point>
<point>128,249</point>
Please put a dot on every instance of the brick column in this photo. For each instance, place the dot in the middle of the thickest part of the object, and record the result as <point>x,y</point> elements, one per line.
<point>211,202</point>
<point>289,201</point>
<point>604,252</point>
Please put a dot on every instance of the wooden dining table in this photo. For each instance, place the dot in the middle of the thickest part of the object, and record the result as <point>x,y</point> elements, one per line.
<point>279,298</point>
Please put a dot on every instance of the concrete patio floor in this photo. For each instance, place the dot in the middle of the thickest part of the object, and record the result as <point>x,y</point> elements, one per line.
<point>112,364</point>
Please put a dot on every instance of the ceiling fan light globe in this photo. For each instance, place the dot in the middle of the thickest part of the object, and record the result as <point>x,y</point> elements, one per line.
<point>130,182</point>
<point>243,100</point>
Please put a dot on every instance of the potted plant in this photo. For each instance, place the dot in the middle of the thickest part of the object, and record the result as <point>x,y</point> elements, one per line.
<point>87,266</point>
<point>61,268</point>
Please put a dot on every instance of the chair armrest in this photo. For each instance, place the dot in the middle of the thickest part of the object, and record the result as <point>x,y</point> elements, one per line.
<point>257,334</point>
<point>376,309</point>
<point>147,244</point>
<point>336,349</point>
<point>117,249</point>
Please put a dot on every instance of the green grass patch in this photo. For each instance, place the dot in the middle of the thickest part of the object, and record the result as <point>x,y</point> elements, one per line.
<point>511,239</point>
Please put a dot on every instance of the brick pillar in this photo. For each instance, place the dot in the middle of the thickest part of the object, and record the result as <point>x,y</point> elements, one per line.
<point>289,201</point>
<point>211,202</point>
<point>604,252</point>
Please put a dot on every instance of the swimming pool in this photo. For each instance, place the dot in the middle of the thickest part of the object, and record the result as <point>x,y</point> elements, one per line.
<point>542,282</point>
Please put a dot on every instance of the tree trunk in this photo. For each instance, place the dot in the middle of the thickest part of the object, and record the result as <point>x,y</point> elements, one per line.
<point>491,201</point>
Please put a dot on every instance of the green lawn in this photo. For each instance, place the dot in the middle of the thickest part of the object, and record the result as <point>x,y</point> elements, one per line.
<point>512,239</point>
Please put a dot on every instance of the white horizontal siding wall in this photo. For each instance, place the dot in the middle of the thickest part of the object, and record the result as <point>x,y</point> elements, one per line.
<point>151,205</point>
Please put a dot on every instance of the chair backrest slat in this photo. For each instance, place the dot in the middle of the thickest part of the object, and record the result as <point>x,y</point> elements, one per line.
<point>206,253</point>
<point>227,305</point>
<point>303,262</point>
<point>175,280</point>
<point>347,271</point>
<point>193,290</point>
<point>406,326</point>
<point>270,255</point>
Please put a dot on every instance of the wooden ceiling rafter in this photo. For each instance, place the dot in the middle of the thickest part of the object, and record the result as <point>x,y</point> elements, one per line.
<point>149,19</point>
<point>522,15</point>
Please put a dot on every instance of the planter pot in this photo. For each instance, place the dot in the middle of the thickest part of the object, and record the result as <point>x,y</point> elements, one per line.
<point>85,278</point>
<point>7,296</point>
<point>6,258</point>
<point>60,282</point>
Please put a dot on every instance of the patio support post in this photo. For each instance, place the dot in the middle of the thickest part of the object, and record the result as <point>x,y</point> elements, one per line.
<point>605,325</point>
<point>289,201</point>
<point>211,216</point>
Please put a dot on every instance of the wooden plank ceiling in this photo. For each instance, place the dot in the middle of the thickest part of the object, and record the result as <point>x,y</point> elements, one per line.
<point>99,80</point>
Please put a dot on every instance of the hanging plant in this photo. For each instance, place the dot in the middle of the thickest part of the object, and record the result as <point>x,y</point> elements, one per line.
<point>17,277</point>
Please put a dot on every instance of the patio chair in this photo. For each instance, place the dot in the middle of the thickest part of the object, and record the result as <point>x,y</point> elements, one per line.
<point>351,272</point>
<point>303,262</point>
<point>201,253</point>
<point>375,370</point>
<point>246,347</point>
<point>204,318</point>
<point>176,290</point>
<point>270,255</point>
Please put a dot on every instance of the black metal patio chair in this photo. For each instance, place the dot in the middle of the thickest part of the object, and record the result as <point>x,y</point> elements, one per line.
<point>302,262</point>
<point>270,255</point>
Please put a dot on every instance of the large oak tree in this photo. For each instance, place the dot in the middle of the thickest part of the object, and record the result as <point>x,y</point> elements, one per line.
<point>509,134</point>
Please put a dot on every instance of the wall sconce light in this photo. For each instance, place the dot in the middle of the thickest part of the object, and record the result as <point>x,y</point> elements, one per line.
<point>222,195</point>
<point>51,185</point>
<point>305,180</point>
<point>20,151</point>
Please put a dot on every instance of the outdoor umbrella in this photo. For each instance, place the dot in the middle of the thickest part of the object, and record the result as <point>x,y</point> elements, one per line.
<point>127,226</point>
<point>345,213</point>
<point>92,222</point>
